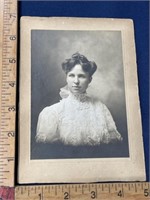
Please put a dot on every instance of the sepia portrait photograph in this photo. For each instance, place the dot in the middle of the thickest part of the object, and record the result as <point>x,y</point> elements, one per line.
<point>78,96</point>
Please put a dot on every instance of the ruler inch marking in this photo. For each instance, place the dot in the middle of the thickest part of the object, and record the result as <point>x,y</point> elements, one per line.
<point>56,190</point>
<point>122,190</point>
<point>41,193</point>
<point>109,188</point>
<point>135,187</point>
<point>28,191</point>
<point>82,189</point>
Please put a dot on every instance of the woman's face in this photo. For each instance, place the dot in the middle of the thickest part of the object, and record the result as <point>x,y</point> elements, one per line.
<point>78,80</point>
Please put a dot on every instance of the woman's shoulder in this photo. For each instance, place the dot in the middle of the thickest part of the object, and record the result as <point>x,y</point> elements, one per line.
<point>96,101</point>
<point>53,109</point>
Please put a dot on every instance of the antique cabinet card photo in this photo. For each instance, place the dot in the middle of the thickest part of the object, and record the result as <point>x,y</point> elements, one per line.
<point>79,115</point>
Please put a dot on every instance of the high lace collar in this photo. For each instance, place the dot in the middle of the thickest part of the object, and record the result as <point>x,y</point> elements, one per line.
<point>79,101</point>
<point>78,97</point>
<point>65,93</point>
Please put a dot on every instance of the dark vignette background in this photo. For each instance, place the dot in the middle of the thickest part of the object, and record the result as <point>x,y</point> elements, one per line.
<point>48,50</point>
<point>136,10</point>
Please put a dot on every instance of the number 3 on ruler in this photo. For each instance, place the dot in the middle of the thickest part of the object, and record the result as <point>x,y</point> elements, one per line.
<point>11,109</point>
<point>93,195</point>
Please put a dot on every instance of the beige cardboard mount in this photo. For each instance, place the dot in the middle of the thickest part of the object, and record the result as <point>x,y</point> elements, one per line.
<point>131,168</point>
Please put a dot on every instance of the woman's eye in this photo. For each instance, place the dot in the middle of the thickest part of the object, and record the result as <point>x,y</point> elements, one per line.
<point>81,76</point>
<point>71,75</point>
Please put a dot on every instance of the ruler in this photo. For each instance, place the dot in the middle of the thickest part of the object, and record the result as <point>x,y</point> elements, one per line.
<point>8,42</point>
<point>110,191</point>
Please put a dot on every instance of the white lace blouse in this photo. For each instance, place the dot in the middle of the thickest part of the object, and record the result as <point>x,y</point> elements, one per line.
<point>77,120</point>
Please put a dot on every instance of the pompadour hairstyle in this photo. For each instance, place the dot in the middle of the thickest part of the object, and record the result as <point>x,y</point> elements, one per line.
<point>77,58</point>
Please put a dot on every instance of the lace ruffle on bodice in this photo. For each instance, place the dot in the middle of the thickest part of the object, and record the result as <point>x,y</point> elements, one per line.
<point>77,120</point>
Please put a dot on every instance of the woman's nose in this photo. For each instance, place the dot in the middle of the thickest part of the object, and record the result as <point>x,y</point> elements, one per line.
<point>76,80</point>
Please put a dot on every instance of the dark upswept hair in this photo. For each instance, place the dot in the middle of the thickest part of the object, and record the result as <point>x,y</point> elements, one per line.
<point>77,58</point>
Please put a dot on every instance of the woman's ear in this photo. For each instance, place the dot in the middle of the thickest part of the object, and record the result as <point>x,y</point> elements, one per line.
<point>90,79</point>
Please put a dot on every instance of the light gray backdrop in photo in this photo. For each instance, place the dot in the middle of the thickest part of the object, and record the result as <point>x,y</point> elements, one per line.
<point>49,48</point>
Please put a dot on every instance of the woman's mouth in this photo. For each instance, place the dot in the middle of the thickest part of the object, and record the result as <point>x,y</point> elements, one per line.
<point>75,87</point>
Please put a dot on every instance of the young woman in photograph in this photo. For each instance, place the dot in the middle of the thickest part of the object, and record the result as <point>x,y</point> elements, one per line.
<point>77,119</point>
